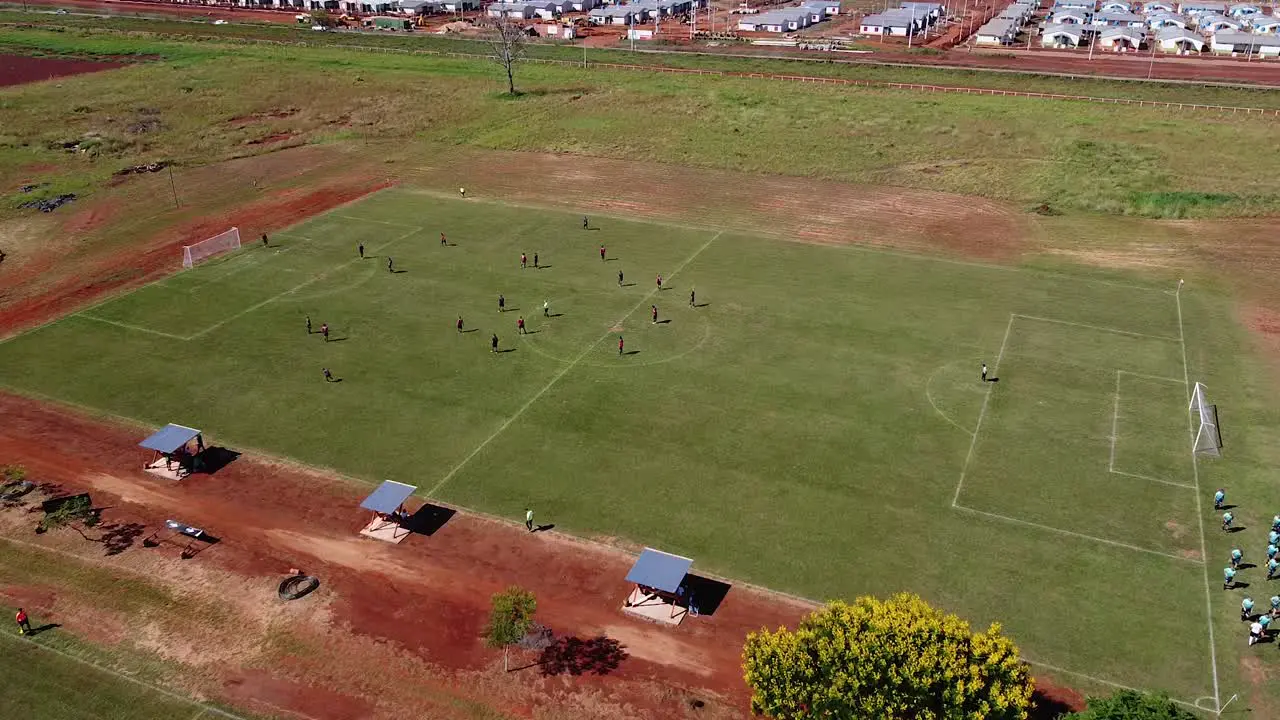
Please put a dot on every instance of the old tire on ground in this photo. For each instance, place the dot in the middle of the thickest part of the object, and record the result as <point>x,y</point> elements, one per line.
<point>292,588</point>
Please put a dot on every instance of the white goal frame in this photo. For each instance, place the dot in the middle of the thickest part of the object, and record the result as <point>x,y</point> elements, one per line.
<point>1207,440</point>
<point>216,245</point>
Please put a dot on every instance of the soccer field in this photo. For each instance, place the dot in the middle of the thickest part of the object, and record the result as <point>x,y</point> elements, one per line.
<point>816,424</point>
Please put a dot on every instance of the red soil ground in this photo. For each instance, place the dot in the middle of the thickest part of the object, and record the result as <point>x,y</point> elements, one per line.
<point>21,69</point>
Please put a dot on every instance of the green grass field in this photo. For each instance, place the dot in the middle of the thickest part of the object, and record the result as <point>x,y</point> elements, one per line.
<point>815,425</point>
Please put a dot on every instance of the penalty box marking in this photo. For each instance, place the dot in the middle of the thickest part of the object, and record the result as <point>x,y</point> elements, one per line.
<point>1115,427</point>
<point>955,499</point>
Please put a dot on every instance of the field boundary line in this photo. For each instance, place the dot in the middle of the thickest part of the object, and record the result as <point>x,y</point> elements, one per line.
<point>1176,381</point>
<point>786,237</point>
<point>295,288</point>
<point>563,371</point>
<point>1054,668</point>
<point>1072,533</point>
<point>84,314</point>
<point>154,688</point>
<point>1115,431</point>
<point>1097,327</point>
<point>1195,473</point>
<point>372,220</point>
<point>973,442</point>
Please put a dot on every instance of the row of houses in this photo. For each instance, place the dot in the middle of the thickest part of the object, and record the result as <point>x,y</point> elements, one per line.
<point>643,11</point>
<point>909,18</point>
<point>1186,8</point>
<point>790,19</point>
<point>1003,28</point>
<point>1210,23</point>
<point>1171,39</point>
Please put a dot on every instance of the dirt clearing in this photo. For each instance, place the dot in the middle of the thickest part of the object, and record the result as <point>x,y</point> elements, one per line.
<point>22,69</point>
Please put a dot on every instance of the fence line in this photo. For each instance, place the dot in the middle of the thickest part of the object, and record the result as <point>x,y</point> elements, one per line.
<point>848,82</point>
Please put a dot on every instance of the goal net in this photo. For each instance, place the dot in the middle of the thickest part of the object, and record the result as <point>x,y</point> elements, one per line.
<point>1207,441</point>
<point>220,243</point>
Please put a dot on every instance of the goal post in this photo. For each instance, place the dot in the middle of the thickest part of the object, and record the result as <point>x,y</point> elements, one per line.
<point>1207,441</point>
<point>220,243</point>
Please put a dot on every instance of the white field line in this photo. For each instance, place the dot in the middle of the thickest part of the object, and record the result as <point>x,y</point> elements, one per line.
<point>1069,533</point>
<point>1064,671</point>
<point>1115,429</point>
<point>1178,381</point>
<point>1099,327</point>
<point>154,688</point>
<point>1195,472</point>
<point>127,326</point>
<point>563,371</point>
<point>929,396</point>
<point>297,287</point>
<point>372,220</point>
<point>973,443</point>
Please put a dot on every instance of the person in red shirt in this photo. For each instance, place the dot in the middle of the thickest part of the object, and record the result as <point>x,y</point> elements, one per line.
<point>443,242</point>
<point>602,253</point>
<point>324,330</point>
<point>659,282</point>
<point>520,326</point>
<point>619,344</point>
<point>459,323</point>
<point>24,623</point>
<point>524,261</point>
<point>654,312</point>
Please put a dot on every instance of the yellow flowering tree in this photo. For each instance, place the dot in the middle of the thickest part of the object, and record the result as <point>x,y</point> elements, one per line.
<point>886,660</point>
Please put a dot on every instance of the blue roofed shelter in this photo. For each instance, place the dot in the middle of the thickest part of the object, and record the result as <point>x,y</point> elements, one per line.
<point>176,451</point>
<point>659,586</point>
<point>389,514</point>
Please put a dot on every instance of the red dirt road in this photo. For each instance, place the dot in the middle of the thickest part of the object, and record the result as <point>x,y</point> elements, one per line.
<point>21,69</point>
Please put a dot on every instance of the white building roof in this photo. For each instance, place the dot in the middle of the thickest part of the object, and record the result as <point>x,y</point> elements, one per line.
<point>1239,38</point>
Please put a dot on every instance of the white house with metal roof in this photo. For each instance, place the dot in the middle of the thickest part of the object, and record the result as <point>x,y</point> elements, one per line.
<point>1192,9</point>
<point>1242,10</point>
<point>895,22</point>
<point>1180,40</point>
<point>511,9</point>
<point>1118,19</point>
<point>1114,6</point>
<point>1073,5</point>
<point>1236,43</point>
<point>1211,23</point>
<point>1122,38</point>
<point>1058,35</point>
<point>612,15</point>
<point>1070,16</point>
<point>999,31</point>
<point>776,21</point>
<point>1158,20</point>
<point>1264,24</point>
<point>828,7</point>
<point>1154,6</point>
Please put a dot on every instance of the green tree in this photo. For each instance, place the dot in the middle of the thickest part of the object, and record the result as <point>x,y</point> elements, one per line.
<point>883,660</point>
<point>510,619</point>
<point>12,474</point>
<point>1133,705</point>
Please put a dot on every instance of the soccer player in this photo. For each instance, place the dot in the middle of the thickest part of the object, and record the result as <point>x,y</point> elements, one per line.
<point>546,308</point>
<point>1275,523</point>
<point>1255,633</point>
<point>535,261</point>
<point>693,298</point>
<point>984,372</point>
<point>585,224</point>
<point>493,343</point>
<point>502,303</point>
<point>462,192</point>
<point>1246,609</point>
<point>459,323</point>
<point>24,622</point>
<point>1236,557</point>
<point>264,240</point>
<point>328,376</point>
<point>1265,622</point>
<point>601,250</point>
<point>619,278</point>
<point>360,249</point>
<point>1271,551</point>
<point>659,281</point>
<point>390,264</point>
<point>1273,537</point>
<point>1275,606</point>
<point>1273,566</point>
<point>443,242</point>
<point>324,330</point>
<point>528,519</point>
<point>1228,577</point>
<point>308,324</point>
<point>619,345</point>
<point>524,261</point>
<point>653,311</point>
<point>1227,517</point>
<point>520,326</point>
<point>1219,498</point>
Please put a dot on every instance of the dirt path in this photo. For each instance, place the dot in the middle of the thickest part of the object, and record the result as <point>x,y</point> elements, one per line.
<point>427,598</point>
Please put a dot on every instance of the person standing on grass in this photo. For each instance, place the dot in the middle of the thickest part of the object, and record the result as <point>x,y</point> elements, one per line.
<point>1227,517</point>
<point>984,372</point>
<point>391,264</point>
<point>535,261</point>
<point>619,345</point>
<point>619,278</point>
<point>1275,606</point>
<point>502,303</point>
<point>1273,566</point>
<point>546,308</point>
<point>462,192</point>
<point>1255,633</point>
<point>360,249</point>
<point>659,281</point>
<point>459,323</point>
<point>1272,550</point>
<point>1219,498</point>
<point>264,240</point>
<point>24,622</point>
<point>1275,523</point>
<point>324,330</point>
<point>1265,622</point>
<point>1236,557</point>
<point>1228,577</point>
<point>692,297</point>
<point>1246,609</point>
<point>493,343</point>
<point>584,224</point>
<point>1273,538</point>
<point>520,326</point>
<point>308,324</point>
<point>328,376</point>
<point>524,261</point>
<point>653,312</point>
<point>528,519</point>
<point>443,242</point>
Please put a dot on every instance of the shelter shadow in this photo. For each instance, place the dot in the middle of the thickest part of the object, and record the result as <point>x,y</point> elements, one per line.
<point>428,519</point>
<point>707,594</point>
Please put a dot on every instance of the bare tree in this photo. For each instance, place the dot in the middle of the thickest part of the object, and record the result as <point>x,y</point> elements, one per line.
<point>507,43</point>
